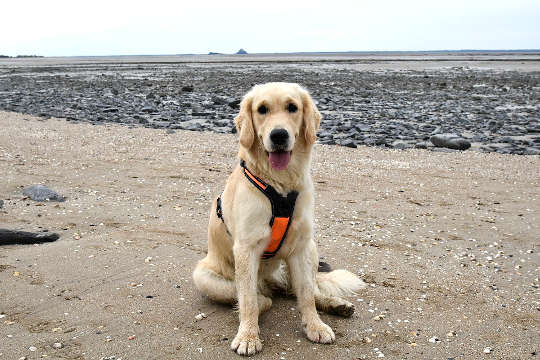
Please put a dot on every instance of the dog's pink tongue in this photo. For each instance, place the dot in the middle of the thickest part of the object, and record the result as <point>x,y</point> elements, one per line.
<point>279,159</point>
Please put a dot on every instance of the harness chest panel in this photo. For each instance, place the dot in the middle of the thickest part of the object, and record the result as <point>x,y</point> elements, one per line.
<point>282,211</point>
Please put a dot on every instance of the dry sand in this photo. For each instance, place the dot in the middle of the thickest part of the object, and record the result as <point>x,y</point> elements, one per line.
<point>449,243</point>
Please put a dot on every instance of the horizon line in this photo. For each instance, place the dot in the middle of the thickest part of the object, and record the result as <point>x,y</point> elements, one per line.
<point>211,53</point>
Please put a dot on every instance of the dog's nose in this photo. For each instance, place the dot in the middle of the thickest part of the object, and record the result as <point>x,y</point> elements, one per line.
<point>279,136</point>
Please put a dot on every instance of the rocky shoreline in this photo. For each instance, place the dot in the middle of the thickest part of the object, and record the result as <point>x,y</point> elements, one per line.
<point>495,111</point>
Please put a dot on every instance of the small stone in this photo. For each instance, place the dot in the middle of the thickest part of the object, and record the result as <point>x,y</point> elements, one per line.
<point>487,350</point>
<point>42,193</point>
<point>434,340</point>
<point>148,259</point>
<point>32,348</point>
<point>200,316</point>
<point>58,345</point>
<point>132,337</point>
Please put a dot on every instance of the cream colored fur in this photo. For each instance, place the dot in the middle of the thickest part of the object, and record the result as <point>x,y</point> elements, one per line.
<point>233,272</point>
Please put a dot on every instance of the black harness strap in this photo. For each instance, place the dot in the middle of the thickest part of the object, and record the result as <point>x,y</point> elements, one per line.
<point>282,210</point>
<point>219,213</point>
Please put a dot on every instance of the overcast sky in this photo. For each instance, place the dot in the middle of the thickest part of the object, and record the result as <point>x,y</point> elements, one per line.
<point>97,27</point>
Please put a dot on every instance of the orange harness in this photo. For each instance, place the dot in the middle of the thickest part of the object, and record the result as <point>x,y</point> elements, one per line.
<point>282,211</point>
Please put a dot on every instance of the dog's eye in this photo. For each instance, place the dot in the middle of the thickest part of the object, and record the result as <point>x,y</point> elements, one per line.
<point>292,108</point>
<point>262,110</point>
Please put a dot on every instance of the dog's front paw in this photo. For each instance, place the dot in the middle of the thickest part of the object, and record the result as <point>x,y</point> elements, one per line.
<point>246,343</point>
<point>319,332</point>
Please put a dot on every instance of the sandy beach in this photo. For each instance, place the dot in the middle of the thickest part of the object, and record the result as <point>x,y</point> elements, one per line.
<point>448,243</point>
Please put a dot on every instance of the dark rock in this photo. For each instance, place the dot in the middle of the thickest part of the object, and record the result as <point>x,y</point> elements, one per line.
<point>149,110</point>
<point>193,125</point>
<point>1,204</point>
<point>400,145</point>
<point>235,104</point>
<point>187,88</point>
<point>450,141</point>
<point>348,143</point>
<point>201,113</point>
<point>110,110</point>
<point>219,100</point>
<point>527,151</point>
<point>223,122</point>
<point>13,237</point>
<point>42,193</point>
<point>363,127</point>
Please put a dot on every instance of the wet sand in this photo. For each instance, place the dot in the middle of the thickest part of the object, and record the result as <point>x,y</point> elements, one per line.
<point>447,241</point>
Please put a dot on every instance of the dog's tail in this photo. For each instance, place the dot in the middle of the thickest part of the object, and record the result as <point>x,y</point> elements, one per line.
<point>339,283</point>
<point>330,283</point>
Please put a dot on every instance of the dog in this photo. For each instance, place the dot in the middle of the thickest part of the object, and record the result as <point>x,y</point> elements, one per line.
<point>260,233</point>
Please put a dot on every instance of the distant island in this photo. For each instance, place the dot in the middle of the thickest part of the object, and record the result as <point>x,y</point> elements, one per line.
<point>21,56</point>
<point>239,52</point>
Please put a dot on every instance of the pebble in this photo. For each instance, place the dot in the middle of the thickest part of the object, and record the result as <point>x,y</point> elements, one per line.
<point>487,350</point>
<point>32,348</point>
<point>58,345</point>
<point>434,340</point>
<point>200,316</point>
<point>42,193</point>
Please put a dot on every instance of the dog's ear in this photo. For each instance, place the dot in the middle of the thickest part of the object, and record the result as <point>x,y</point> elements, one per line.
<point>244,122</point>
<point>312,117</point>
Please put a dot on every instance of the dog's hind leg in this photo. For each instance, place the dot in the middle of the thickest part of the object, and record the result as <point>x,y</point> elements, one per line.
<point>213,284</point>
<point>221,289</point>
<point>334,305</point>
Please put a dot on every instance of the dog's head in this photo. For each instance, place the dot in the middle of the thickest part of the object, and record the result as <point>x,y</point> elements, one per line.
<point>280,118</point>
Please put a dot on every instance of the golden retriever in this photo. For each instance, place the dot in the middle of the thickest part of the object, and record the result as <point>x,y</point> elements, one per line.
<point>277,127</point>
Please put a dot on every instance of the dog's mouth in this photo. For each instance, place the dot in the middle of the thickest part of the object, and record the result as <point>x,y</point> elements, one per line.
<point>279,160</point>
